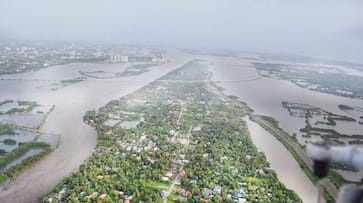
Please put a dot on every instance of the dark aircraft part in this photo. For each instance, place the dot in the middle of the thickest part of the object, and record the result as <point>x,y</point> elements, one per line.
<point>321,168</point>
<point>350,194</point>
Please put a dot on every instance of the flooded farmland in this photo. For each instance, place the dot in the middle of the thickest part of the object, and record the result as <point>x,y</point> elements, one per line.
<point>265,97</point>
<point>71,101</point>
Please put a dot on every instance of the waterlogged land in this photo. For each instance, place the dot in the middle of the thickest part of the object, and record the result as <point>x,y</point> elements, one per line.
<point>323,124</point>
<point>132,70</point>
<point>318,77</point>
<point>189,143</point>
<point>121,130</point>
<point>20,142</point>
<point>71,101</point>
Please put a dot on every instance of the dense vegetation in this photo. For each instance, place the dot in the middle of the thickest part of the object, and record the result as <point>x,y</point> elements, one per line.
<point>345,107</point>
<point>190,144</point>
<point>9,141</point>
<point>23,148</point>
<point>6,129</point>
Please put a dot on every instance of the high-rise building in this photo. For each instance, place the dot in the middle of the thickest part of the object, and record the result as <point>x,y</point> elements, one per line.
<point>119,59</point>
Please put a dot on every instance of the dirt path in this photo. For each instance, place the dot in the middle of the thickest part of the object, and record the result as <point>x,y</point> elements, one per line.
<point>179,176</point>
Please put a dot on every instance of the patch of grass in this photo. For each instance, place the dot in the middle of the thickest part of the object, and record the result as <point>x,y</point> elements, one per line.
<point>301,163</point>
<point>30,106</point>
<point>27,103</point>
<point>5,102</point>
<point>9,141</point>
<point>2,152</point>
<point>336,179</point>
<point>14,171</point>
<point>345,107</point>
<point>6,129</point>
<point>18,152</point>
<point>21,150</point>
<point>155,184</point>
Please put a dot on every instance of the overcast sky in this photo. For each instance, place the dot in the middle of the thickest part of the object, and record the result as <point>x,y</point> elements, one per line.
<point>331,29</point>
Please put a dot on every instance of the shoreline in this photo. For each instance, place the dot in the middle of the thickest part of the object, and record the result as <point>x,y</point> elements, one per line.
<point>270,146</point>
<point>77,138</point>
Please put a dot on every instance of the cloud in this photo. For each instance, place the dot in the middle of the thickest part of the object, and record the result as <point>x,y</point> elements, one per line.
<point>301,27</point>
<point>357,31</point>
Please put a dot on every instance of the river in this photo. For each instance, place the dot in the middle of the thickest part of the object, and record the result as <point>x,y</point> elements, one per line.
<point>264,95</point>
<point>282,162</point>
<point>71,102</point>
<point>78,140</point>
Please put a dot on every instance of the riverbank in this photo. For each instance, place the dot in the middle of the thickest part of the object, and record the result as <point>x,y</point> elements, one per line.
<point>71,102</point>
<point>282,162</point>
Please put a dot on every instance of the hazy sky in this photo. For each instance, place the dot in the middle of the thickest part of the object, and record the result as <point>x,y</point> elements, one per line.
<point>332,29</point>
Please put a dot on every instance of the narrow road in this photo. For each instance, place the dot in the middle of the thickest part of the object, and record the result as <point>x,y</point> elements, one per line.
<point>171,187</point>
<point>328,185</point>
<point>179,176</point>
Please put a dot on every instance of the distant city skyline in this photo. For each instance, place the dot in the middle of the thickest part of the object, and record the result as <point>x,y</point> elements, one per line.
<point>332,30</point>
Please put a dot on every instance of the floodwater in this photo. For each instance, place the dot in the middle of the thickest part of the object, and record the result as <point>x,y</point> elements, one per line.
<point>264,96</point>
<point>77,139</point>
<point>11,105</point>
<point>20,136</point>
<point>31,152</point>
<point>51,139</point>
<point>289,173</point>
<point>23,119</point>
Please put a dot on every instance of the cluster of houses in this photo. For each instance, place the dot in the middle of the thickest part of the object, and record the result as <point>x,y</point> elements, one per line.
<point>184,192</point>
<point>217,190</point>
<point>138,146</point>
<point>167,176</point>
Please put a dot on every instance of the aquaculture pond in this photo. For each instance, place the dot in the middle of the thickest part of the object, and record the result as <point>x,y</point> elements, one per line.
<point>20,136</point>
<point>23,119</point>
<point>21,143</point>
<point>25,114</point>
<point>7,105</point>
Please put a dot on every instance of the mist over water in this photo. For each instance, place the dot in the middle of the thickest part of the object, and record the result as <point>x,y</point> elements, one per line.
<point>314,28</point>
<point>242,33</point>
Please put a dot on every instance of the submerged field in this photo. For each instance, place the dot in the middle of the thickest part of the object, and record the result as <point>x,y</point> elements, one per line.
<point>185,141</point>
<point>21,143</point>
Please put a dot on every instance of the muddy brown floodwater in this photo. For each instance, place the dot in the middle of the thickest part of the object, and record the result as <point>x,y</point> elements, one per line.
<point>71,102</point>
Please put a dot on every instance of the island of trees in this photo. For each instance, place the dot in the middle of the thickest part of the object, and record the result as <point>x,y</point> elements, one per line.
<point>176,140</point>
